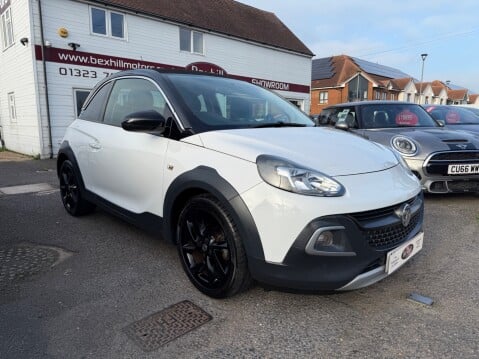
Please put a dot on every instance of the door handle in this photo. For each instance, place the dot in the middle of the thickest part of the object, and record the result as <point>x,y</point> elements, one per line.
<point>95,145</point>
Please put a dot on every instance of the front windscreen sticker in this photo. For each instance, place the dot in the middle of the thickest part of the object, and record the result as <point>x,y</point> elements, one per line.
<point>342,115</point>
<point>406,118</point>
<point>453,117</point>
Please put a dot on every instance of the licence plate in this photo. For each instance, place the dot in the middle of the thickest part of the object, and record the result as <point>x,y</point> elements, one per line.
<point>397,257</point>
<point>463,169</point>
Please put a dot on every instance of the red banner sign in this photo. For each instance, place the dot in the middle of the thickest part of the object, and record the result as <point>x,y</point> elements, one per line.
<point>64,56</point>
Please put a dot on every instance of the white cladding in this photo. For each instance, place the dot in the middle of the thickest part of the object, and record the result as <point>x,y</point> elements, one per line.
<point>147,39</point>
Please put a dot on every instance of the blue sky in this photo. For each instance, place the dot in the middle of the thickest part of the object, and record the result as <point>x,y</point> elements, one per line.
<point>392,33</point>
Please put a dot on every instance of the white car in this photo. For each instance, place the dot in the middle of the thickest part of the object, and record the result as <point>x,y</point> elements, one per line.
<point>242,182</point>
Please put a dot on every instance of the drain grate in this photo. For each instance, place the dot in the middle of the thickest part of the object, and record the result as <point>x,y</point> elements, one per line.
<point>160,328</point>
<point>21,261</point>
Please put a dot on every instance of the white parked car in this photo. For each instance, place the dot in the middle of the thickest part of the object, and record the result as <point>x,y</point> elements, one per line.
<point>242,182</point>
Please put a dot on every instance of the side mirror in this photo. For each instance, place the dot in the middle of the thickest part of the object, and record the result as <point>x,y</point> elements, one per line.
<point>342,125</point>
<point>441,123</point>
<point>145,121</point>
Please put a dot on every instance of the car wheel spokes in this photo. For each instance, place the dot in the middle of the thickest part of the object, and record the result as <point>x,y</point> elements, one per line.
<point>68,188</point>
<point>205,248</point>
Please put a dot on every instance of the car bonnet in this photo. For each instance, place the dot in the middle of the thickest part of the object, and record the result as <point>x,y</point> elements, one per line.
<point>330,151</point>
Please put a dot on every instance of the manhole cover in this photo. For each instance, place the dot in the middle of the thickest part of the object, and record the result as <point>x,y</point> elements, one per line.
<point>160,328</point>
<point>21,261</point>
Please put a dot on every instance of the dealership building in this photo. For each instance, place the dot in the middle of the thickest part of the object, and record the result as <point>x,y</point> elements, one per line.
<point>54,51</point>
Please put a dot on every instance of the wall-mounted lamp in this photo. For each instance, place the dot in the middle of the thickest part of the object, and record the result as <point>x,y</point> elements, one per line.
<point>24,41</point>
<point>74,45</point>
<point>48,43</point>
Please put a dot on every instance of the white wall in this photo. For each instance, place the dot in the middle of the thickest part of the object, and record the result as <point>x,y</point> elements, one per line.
<point>155,41</point>
<point>17,75</point>
<point>409,89</point>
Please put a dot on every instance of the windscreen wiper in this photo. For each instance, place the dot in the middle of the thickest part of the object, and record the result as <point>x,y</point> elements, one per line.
<point>280,124</point>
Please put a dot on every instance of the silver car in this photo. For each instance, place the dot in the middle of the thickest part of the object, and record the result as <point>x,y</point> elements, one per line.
<point>444,160</point>
<point>455,117</point>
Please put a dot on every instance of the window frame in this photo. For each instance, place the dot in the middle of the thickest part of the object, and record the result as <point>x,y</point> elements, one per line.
<point>6,30</point>
<point>191,40</point>
<point>323,97</point>
<point>12,108</point>
<point>108,23</point>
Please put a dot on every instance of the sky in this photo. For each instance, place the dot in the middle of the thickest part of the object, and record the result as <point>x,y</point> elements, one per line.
<point>391,33</point>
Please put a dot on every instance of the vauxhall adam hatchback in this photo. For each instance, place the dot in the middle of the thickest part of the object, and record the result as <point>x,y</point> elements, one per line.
<point>242,182</point>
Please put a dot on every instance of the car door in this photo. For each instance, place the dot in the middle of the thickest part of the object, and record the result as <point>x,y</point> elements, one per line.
<point>85,128</point>
<point>128,166</point>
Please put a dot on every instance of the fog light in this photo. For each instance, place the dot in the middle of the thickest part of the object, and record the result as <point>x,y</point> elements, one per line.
<point>329,241</point>
<point>325,239</point>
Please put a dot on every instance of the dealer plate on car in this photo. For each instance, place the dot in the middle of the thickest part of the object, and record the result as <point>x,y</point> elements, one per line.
<point>397,257</point>
<point>463,169</point>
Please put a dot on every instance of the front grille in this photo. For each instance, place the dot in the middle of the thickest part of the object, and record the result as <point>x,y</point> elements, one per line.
<point>438,163</point>
<point>383,229</point>
<point>455,156</point>
<point>389,236</point>
<point>381,212</point>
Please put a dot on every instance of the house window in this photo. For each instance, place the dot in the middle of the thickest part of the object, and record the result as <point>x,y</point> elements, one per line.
<point>323,97</point>
<point>11,107</point>
<point>408,97</point>
<point>191,41</point>
<point>377,95</point>
<point>79,97</point>
<point>7,28</point>
<point>393,97</point>
<point>384,96</point>
<point>441,101</point>
<point>427,100</point>
<point>107,23</point>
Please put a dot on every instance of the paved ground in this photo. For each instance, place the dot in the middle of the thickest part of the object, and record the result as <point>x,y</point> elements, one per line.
<point>117,274</point>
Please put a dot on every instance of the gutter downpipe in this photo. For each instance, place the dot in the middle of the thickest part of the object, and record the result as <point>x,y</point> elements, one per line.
<point>47,102</point>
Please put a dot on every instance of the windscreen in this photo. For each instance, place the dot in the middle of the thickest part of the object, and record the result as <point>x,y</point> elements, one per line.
<point>452,115</point>
<point>223,103</point>
<point>395,115</point>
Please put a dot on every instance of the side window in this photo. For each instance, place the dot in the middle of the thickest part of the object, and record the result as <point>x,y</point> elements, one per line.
<point>133,95</point>
<point>94,108</point>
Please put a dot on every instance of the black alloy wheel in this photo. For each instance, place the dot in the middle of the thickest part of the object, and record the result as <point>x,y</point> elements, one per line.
<point>70,191</point>
<point>210,248</point>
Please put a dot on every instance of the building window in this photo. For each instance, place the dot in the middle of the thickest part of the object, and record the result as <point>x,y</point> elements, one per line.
<point>377,95</point>
<point>408,97</point>
<point>384,96</point>
<point>7,28</point>
<point>441,101</point>
<point>427,100</point>
<point>323,97</point>
<point>191,41</point>
<point>79,97</point>
<point>107,23</point>
<point>393,97</point>
<point>11,107</point>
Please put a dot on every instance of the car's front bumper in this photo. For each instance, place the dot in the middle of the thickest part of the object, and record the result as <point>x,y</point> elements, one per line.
<point>370,236</point>
<point>432,172</point>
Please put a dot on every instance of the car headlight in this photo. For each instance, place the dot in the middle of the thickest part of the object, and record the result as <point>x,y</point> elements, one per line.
<point>291,177</point>
<point>404,145</point>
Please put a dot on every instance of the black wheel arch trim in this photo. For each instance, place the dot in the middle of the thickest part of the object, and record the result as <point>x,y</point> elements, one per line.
<point>66,151</point>
<point>207,179</point>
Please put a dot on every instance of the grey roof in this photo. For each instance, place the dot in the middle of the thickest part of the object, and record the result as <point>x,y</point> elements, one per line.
<point>380,70</point>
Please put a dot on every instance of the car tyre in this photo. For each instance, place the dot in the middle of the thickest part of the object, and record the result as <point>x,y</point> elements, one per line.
<point>210,248</point>
<point>70,191</point>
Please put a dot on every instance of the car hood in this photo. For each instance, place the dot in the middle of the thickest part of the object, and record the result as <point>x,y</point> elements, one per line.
<point>427,139</point>
<point>331,151</point>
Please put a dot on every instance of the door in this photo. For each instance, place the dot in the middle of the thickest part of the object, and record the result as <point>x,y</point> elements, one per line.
<point>127,167</point>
